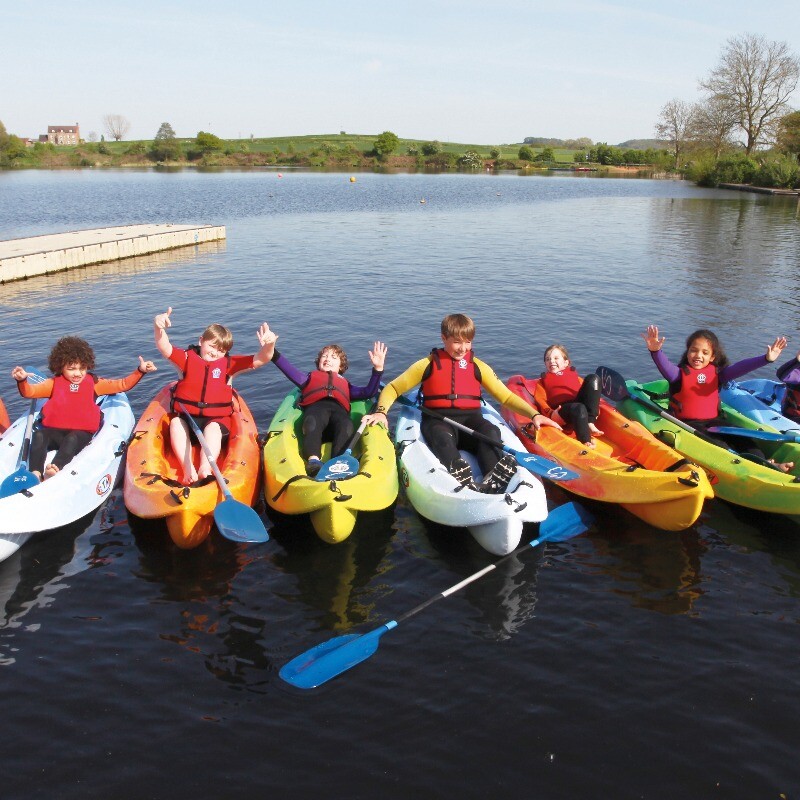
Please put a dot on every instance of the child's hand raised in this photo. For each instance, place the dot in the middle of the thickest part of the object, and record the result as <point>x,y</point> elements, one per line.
<point>162,321</point>
<point>147,366</point>
<point>266,336</point>
<point>776,348</point>
<point>19,374</point>
<point>378,355</point>
<point>651,338</point>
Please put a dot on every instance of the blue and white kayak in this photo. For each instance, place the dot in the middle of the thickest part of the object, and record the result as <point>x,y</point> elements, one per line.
<point>761,400</point>
<point>494,520</point>
<point>78,489</point>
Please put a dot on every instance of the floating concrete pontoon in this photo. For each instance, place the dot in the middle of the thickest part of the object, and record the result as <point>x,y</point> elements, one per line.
<point>39,255</point>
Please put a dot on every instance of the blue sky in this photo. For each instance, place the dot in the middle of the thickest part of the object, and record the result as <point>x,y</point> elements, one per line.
<point>478,72</point>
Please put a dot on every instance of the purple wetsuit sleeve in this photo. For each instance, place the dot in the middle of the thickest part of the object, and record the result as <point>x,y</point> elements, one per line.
<point>789,373</point>
<point>370,390</point>
<point>297,377</point>
<point>667,369</point>
<point>734,371</point>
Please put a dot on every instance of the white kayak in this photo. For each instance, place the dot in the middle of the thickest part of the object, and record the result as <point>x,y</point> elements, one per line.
<point>77,490</point>
<point>494,520</point>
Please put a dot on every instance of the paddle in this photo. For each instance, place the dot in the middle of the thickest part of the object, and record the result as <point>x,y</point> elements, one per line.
<point>22,478</point>
<point>769,436</point>
<point>235,520</point>
<point>329,659</point>
<point>346,465</point>
<point>538,465</point>
<point>613,386</point>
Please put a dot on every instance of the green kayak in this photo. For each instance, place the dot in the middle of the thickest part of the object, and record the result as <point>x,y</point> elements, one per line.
<point>735,478</point>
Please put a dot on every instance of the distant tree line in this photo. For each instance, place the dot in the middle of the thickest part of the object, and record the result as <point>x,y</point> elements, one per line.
<point>742,130</point>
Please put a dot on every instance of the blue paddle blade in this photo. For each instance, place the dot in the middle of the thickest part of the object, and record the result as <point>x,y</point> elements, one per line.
<point>18,481</point>
<point>329,659</point>
<point>564,522</point>
<point>539,465</point>
<point>343,466</point>
<point>238,522</point>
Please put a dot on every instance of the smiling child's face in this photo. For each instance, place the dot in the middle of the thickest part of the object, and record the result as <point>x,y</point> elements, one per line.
<point>456,348</point>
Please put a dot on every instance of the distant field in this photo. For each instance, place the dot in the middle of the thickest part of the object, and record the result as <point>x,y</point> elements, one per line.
<point>363,143</point>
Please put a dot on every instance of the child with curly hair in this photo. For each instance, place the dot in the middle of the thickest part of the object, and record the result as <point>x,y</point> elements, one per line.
<point>71,416</point>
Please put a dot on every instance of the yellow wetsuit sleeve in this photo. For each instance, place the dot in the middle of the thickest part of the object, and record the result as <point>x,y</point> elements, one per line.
<point>401,384</point>
<point>501,392</point>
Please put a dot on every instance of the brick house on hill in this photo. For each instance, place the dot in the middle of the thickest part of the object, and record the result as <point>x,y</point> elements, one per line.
<point>62,134</point>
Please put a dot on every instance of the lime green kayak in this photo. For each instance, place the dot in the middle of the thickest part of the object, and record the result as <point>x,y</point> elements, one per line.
<point>735,477</point>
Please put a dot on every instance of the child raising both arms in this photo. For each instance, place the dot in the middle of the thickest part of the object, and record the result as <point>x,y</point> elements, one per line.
<point>71,416</point>
<point>204,389</point>
<point>325,398</point>
<point>694,383</point>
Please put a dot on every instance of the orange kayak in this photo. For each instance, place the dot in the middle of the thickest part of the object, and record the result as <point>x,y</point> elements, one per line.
<point>628,465</point>
<point>152,488</point>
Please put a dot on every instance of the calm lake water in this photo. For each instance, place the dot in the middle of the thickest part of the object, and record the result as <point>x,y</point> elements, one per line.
<point>625,663</point>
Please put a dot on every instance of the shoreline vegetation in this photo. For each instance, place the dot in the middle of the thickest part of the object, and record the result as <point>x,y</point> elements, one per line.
<point>329,151</point>
<point>769,171</point>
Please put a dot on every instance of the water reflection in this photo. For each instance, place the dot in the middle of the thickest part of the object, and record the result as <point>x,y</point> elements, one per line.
<point>32,577</point>
<point>505,598</point>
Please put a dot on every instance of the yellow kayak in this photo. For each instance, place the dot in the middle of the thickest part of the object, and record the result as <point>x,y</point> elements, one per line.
<point>333,505</point>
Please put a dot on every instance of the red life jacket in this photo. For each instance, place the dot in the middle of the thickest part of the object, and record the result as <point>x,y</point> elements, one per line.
<point>204,390</point>
<point>791,402</point>
<point>72,406</point>
<point>696,394</point>
<point>448,383</point>
<point>322,384</point>
<point>561,387</point>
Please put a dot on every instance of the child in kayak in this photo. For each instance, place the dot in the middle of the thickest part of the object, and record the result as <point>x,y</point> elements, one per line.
<point>452,379</point>
<point>789,374</point>
<point>71,416</point>
<point>694,383</point>
<point>565,397</point>
<point>204,388</point>
<point>325,398</point>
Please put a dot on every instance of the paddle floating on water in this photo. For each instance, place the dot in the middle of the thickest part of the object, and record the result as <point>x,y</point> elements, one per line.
<point>329,659</point>
<point>22,478</point>
<point>538,465</point>
<point>235,520</point>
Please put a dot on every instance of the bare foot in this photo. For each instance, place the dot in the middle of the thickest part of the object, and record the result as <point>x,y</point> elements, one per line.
<point>188,478</point>
<point>785,466</point>
<point>590,444</point>
<point>203,473</point>
<point>36,474</point>
<point>50,470</point>
<point>594,430</point>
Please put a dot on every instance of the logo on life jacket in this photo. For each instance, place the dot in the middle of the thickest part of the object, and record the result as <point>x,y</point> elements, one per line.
<point>74,387</point>
<point>216,372</point>
<point>701,378</point>
<point>103,485</point>
<point>463,363</point>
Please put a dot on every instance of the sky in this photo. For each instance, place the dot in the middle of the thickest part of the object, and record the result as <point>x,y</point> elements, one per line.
<point>470,72</point>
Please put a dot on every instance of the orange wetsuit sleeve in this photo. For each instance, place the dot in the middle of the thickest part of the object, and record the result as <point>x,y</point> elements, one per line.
<point>116,385</point>
<point>35,390</point>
